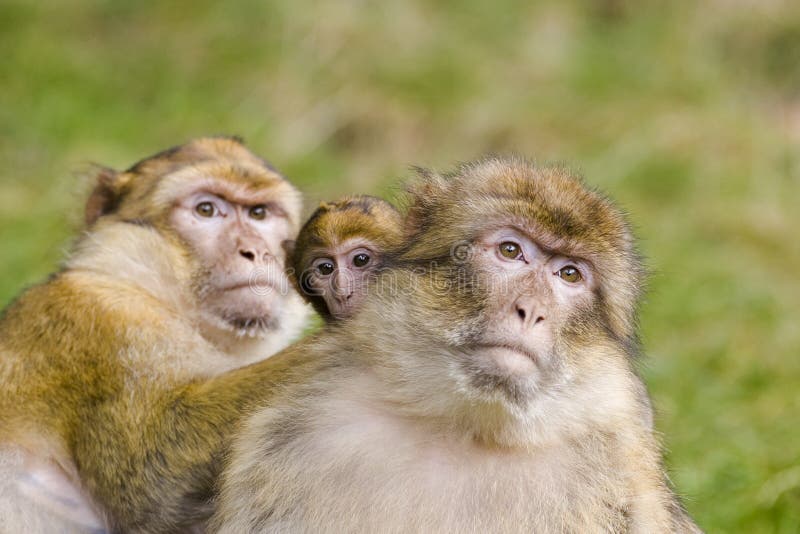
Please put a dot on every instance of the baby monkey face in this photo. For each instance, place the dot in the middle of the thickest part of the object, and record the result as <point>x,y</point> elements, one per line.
<point>340,275</point>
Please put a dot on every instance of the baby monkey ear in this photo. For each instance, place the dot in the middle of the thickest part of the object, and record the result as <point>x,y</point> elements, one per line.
<point>106,194</point>
<point>428,189</point>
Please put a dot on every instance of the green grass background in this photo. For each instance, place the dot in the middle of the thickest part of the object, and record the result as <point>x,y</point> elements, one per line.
<point>686,112</point>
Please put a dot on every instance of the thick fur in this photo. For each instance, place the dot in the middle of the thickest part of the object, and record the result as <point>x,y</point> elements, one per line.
<point>390,433</point>
<point>110,384</point>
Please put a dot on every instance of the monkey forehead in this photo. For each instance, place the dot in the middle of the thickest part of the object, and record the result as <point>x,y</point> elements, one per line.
<point>241,183</point>
<point>197,150</point>
<point>330,228</point>
<point>367,204</point>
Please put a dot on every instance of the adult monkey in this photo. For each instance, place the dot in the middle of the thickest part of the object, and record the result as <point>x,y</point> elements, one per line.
<point>493,392</point>
<point>110,412</point>
<point>340,248</point>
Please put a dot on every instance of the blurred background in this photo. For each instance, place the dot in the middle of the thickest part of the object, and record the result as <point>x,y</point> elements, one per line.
<point>688,113</point>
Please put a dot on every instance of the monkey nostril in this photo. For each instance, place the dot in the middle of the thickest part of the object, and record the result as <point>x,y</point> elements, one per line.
<point>521,313</point>
<point>539,320</point>
<point>248,254</point>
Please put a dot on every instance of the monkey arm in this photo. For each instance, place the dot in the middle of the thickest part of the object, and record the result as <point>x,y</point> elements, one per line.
<point>654,505</point>
<point>154,469</point>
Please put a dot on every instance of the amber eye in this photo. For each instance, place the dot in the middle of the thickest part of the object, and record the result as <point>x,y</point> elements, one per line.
<point>510,250</point>
<point>325,268</point>
<point>258,212</point>
<point>205,209</point>
<point>570,274</point>
<point>360,260</point>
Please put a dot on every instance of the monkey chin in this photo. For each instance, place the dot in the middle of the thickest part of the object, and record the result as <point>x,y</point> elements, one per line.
<point>244,312</point>
<point>513,374</point>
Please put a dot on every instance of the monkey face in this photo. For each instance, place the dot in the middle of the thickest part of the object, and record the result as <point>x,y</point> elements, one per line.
<point>531,296</point>
<point>237,239</point>
<point>228,211</point>
<point>551,269</point>
<point>340,275</point>
<point>339,248</point>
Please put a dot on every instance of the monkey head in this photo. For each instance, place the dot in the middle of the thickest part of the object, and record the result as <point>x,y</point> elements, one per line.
<point>524,274</point>
<point>227,211</point>
<point>339,248</point>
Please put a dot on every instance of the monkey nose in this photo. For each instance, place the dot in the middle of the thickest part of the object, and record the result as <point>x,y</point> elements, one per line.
<point>254,255</point>
<point>344,295</point>
<point>526,311</point>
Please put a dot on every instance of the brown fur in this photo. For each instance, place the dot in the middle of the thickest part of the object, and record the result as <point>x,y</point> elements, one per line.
<point>109,378</point>
<point>397,428</point>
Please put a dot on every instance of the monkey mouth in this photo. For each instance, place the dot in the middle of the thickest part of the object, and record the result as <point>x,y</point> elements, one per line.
<point>507,347</point>
<point>252,323</point>
<point>259,281</point>
<point>258,286</point>
<point>243,285</point>
<point>233,287</point>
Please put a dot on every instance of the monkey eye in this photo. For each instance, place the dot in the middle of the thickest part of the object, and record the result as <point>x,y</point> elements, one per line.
<point>360,260</point>
<point>325,267</point>
<point>569,273</point>
<point>205,209</point>
<point>510,250</point>
<point>258,212</point>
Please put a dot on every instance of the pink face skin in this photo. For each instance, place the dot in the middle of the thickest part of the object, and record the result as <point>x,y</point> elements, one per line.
<point>534,294</point>
<point>340,275</point>
<point>238,242</point>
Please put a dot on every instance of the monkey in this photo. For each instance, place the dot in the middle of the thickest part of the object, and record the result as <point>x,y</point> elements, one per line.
<point>339,248</point>
<point>176,284</point>
<point>492,391</point>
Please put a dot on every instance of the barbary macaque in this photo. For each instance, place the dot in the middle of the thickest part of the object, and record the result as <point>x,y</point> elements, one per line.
<point>117,381</point>
<point>341,246</point>
<point>493,391</point>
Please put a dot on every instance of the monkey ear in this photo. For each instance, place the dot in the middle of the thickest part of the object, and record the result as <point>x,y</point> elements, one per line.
<point>106,193</point>
<point>429,188</point>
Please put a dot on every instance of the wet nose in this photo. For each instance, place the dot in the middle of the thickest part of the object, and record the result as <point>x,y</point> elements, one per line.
<point>528,311</point>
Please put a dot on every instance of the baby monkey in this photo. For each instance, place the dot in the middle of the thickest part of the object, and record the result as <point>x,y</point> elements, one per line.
<point>339,248</point>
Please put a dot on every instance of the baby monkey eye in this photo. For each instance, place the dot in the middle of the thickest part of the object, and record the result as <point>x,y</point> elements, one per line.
<point>205,209</point>
<point>510,250</point>
<point>258,212</point>
<point>325,268</point>
<point>360,260</point>
<point>570,274</point>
